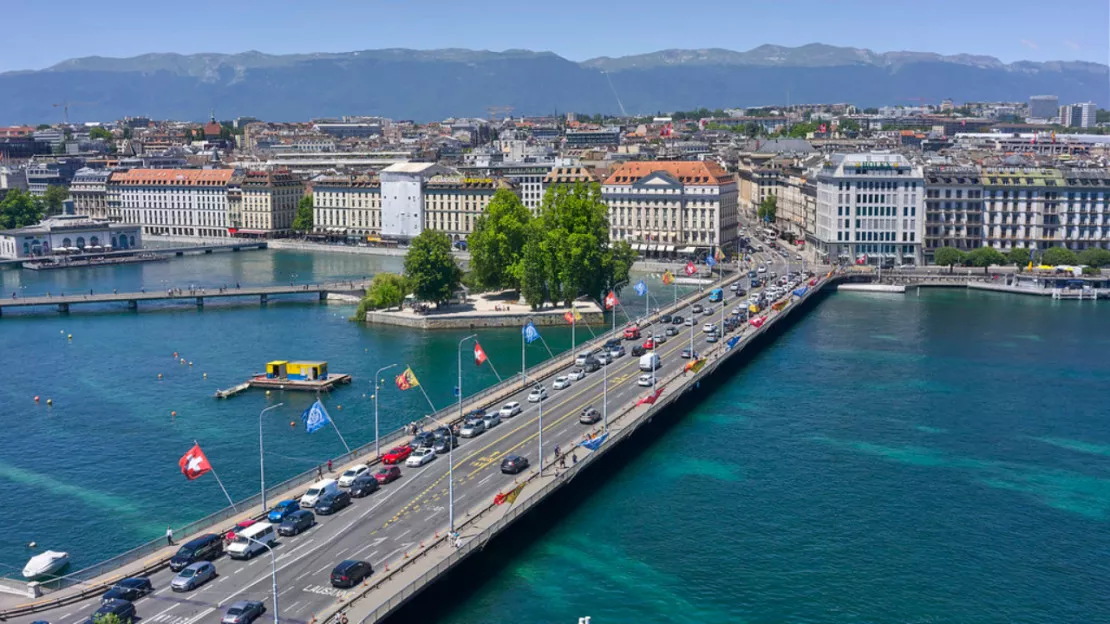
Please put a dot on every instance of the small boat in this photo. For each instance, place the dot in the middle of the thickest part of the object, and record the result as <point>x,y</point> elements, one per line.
<point>45,563</point>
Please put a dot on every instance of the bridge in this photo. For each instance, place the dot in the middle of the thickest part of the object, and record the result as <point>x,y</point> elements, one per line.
<point>63,302</point>
<point>160,251</point>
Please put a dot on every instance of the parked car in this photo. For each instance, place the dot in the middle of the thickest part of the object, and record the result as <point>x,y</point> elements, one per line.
<point>510,409</point>
<point>331,503</point>
<point>353,473</point>
<point>397,454</point>
<point>129,589</point>
<point>537,394</point>
<point>646,381</point>
<point>243,612</point>
<point>298,522</point>
<point>282,509</point>
<point>561,382</point>
<point>589,416</point>
<point>123,609</point>
<point>421,457</point>
<point>472,428</point>
<point>444,445</point>
<point>388,474</point>
<point>514,464</point>
<point>193,576</point>
<point>350,573</point>
<point>201,548</point>
<point>366,485</point>
<point>577,374</point>
<point>492,420</point>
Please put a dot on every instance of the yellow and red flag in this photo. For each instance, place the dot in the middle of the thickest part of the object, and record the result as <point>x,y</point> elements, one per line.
<point>668,277</point>
<point>510,496</point>
<point>719,255</point>
<point>406,380</point>
<point>572,315</point>
<point>694,366</point>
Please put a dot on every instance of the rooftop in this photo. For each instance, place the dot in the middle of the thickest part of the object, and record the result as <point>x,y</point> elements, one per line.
<point>693,172</point>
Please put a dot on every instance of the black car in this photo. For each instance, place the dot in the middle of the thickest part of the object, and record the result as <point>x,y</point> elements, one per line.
<point>350,573</point>
<point>206,547</point>
<point>589,416</point>
<point>365,485</point>
<point>666,318</point>
<point>440,433</point>
<point>130,589</point>
<point>514,464</point>
<point>612,343</point>
<point>740,292</point>
<point>677,320</point>
<point>331,503</point>
<point>123,609</point>
<point>591,364</point>
<point>424,439</point>
<point>637,350</point>
<point>300,520</point>
<point>445,444</point>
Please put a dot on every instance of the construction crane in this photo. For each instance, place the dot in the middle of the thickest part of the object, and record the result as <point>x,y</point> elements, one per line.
<point>65,107</point>
<point>495,111</point>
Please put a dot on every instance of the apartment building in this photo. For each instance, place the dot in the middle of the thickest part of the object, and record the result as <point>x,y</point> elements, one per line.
<point>1086,206</point>
<point>347,205</point>
<point>664,207</point>
<point>1038,208</point>
<point>89,192</point>
<point>173,202</point>
<point>265,204</point>
<point>452,202</point>
<point>953,209</point>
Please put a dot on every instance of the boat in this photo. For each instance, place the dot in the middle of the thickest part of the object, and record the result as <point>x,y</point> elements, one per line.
<point>45,563</point>
<point>232,391</point>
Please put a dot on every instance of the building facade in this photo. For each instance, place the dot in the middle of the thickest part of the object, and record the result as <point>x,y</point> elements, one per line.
<point>89,192</point>
<point>1044,107</point>
<point>526,177</point>
<point>584,139</point>
<point>953,209</point>
<point>68,234</point>
<point>347,206</point>
<point>173,202</point>
<point>267,204</point>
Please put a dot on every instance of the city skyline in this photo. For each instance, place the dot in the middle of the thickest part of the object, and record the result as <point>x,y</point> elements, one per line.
<point>1024,31</point>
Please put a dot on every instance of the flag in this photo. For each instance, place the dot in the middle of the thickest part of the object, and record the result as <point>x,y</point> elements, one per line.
<point>611,300</point>
<point>694,366</point>
<point>530,333</point>
<point>668,277</point>
<point>194,463</point>
<point>710,261</point>
<point>479,354</point>
<point>758,321</point>
<point>719,256</point>
<point>572,315</point>
<point>509,497</point>
<point>650,399</point>
<point>691,269</point>
<point>640,288</point>
<point>732,342</point>
<point>406,380</point>
<point>595,443</point>
<point>315,417</point>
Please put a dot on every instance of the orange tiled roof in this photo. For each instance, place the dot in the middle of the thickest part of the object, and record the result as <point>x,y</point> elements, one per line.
<point>693,172</point>
<point>174,177</point>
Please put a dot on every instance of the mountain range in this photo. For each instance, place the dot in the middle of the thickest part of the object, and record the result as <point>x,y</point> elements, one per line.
<point>425,85</point>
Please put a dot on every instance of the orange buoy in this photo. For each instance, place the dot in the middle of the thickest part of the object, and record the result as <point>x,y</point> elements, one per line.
<point>159,375</point>
<point>339,407</point>
<point>175,355</point>
<point>173,413</point>
<point>36,398</point>
<point>292,424</point>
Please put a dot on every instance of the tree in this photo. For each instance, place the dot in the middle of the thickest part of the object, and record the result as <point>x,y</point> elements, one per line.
<point>985,257</point>
<point>19,209</point>
<point>848,125</point>
<point>533,265</point>
<point>127,132</point>
<point>1059,255</point>
<point>108,618</point>
<point>429,268</point>
<point>767,208</point>
<point>871,111</point>
<point>497,243</point>
<point>387,290</point>
<point>302,219</point>
<point>53,197</point>
<point>98,132</point>
<point>1020,256</point>
<point>1095,257</point>
<point>1102,116</point>
<point>42,127</point>
<point>948,256</point>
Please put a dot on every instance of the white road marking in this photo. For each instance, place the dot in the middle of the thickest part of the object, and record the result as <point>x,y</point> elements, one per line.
<point>200,615</point>
<point>293,606</point>
<point>376,542</point>
<point>302,576</point>
<point>65,615</point>
<point>171,607</point>
<point>326,566</point>
<point>483,481</point>
<point>398,538</point>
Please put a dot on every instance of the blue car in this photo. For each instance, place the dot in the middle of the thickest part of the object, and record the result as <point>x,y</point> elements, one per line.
<point>282,509</point>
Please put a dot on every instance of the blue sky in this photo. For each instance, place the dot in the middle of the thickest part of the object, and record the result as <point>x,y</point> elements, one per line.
<point>47,32</point>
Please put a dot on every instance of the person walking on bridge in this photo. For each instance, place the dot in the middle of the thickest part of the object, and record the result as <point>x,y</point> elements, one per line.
<point>169,536</point>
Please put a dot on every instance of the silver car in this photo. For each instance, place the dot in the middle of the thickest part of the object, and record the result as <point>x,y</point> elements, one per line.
<point>243,612</point>
<point>193,576</point>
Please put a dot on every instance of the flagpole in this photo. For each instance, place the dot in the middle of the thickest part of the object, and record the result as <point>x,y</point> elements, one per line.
<point>494,369</point>
<point>540,461</point>
<point>213,469</point>
<point>332,420</point>
<point>573,324</point>
<point>545,346</point>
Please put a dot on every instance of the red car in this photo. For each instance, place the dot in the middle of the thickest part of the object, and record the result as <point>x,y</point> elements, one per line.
<point>649,344</point>
<point>385,475</point>
<point>397,454</point>
<point>239,526</point>
<point>631,333</point>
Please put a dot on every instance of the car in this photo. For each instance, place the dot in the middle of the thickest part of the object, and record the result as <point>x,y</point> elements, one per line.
<point>712,337</point>
<point>649,343</point>
<point>492,420</point>
<point>421,457</point>
<point>365,485</point>
<point>660,339</point>
<point>561,382</point>
<point>734,286</point>
<point>774,275</point>
<point>193,576</point>
<point>282,509</point>
<point>646,381</point>
<point>537,394</point>
<point>201,548</point>
<point>122,609</point>
<point>741,292</point>
<point>425,439</point>
<point>685,354</point>
<point>514,464</point>
<point>591,365</point>
<point>472,428</point>
<point>631,333</point>
<point>441,433</point>
<point>243,612</point>
<point>751,274</point>
<point>677,320</point>
<point>239,526</point>
<point>577,374</point>
<point>301,520</point>
<point>688,322</point>
<point>638,350</point>
<point>697,308</point>
<point>671,331</point>
<point>444,445</point>
<point>603,358</point>
<point>709,328</point>
<point>397,454</point>
<point>331,503</point>
<point>798,257</point>
<point>353,473</point>
<point>350,573</point>
<point>666,318</point>
<point>762,269</point>
<point>476,413</point>
<point>709,311</point>
<point>581,358</point>
<point>589,416</point>
<point>616,352</point>
<point>388,474</point>
<point>512,408</point>
<point>129,589</point>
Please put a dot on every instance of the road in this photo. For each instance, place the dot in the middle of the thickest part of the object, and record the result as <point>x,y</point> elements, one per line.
<point>381,528</point>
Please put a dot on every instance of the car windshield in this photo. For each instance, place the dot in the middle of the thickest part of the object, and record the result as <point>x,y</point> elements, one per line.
<point>236,610</point>
<point>313,492</point>
<point>187,572</point>
<point>350,473</point>
<point>185,551</point>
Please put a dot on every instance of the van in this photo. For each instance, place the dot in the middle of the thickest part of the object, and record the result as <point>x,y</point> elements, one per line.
<point>249,542</point>
<point>632,333</point>
<point>203,548</point>
<point>649,361</point>
<point>318,489</point>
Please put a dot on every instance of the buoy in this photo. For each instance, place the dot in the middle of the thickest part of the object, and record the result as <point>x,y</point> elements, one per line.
<point>61,331</point>
<point>190,363</point>
<point>338,407</point>
<point>267,393</point>
<point>182,360</point>
<point>50,401</point>
<point>206,375</point>
<point>173,413</point>
<point>293,424</point>
<point>36,398</point>
<point>32,544</point>
<point>175,355</point>
<point>69,337</point>
<point>159,375</point>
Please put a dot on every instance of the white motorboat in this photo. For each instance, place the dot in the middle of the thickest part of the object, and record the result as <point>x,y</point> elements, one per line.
<point>45,563</point>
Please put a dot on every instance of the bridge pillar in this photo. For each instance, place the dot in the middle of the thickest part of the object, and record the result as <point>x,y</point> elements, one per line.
<point>132,304</point>
<point>207,251</point>
<point>262,299</point>
<point>63,308</point>
<point>200,302</point>
<point>234,250</point>
<point>323,295</point>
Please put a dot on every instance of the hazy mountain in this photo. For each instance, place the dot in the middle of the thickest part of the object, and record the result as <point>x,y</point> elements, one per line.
<point>434,84</point>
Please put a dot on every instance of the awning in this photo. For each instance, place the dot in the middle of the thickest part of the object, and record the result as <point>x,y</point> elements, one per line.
<point>669,248</point>
<point>637,247</point>
<point>687,250</point>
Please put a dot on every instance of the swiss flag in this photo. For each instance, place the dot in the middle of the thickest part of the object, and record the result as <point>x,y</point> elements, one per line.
<point>194,463</point>
<point>611,300</point>
<point>690,268</point>
<point>479,354</point>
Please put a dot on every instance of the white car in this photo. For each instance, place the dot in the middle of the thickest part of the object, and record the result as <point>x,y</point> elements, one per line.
<point>762,269</point>
<point>645,381</point>
<point>561,382</point>
<point>353,473</point>
<point>420,457</point>
<point>709,328</point>
<point>688,322</point>
<point>537,394</point>
<point>510,409</point>
<point>577,374</point>
<point>603,358</point>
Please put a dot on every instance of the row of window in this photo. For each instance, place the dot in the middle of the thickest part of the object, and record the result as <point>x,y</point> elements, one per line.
<point>876,211</point>
<point>877,185</point>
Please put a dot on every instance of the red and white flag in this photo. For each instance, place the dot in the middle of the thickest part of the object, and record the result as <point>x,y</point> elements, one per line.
<point>194,463</point>
<point>691,268</point>
<point>611,300</point>
<point>479,354</point>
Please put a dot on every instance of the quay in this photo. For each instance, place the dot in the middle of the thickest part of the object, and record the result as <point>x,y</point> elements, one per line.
<point>1055,285</point>
<point>164,252</point>
<point>198,296</point>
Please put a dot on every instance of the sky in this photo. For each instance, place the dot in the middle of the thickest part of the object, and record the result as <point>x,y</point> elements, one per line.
<point>1011,30</point>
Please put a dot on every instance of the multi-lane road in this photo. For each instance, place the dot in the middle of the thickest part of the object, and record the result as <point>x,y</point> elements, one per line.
<point>382,527</point>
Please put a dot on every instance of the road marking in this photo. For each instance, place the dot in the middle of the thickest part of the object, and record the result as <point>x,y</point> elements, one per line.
<point>483,481</point>
<point>200,615</point>
<point>377,542</point>
<point>302,576</point>
<point>326,566</point>
<point>294,605</point>
<point>65,615</point>
<point>407,531</point>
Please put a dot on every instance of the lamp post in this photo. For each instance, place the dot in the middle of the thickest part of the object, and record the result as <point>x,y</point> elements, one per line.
<point>261,462</point>
<point>377,389</point>
<point>451,446</point>
<point>273,572</point>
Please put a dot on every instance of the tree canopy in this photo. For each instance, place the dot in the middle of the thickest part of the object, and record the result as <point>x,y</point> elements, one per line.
<point>387,290</point>
<point>19,209</point>
<point>848,125</point>
<point>767,208</point>
<point>1020,256</point>
<point>948,256</point>
<point>497,243</point>
<point>302,219</point>
<point>1059,255</point>
<point>1095,257</point>
<point>985,257</point>
<point>53,197</point>
<point>430,271</point>
<point>98,132</point>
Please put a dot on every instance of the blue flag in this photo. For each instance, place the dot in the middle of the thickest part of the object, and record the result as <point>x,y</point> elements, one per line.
<point>530,333</point>
<point>595,443</point>
<point>315,417</point>
<point>710,261</point>
<point>640,288</point>
<point>732,342</point>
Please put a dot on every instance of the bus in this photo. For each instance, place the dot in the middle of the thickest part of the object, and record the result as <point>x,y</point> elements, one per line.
<point>716,295</point>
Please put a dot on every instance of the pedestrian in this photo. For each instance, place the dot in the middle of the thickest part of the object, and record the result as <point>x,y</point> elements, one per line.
<point>319,472</point>
<point>169,536</point>
<point>458,541</point>
<point>329,465</point>
<point>563,462</point>
<point>574,458</point>
<point>342,618</point>
<point>556,450</point>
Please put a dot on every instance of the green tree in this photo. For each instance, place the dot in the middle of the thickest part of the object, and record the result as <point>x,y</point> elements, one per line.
<point>801,130</point>
<point>53,197</point>
<point>871,111</point>
<point>387,290</point>
<point>42,127</point>
<point>1059,255</point>
<point>100,133</point>
<point>302,219</point>
<point>948,256</point>
<point>534,267</point>
<point>108,618</point>
<point>767,209</point>
<point>848,125</point>
<point>1095,257</point>
<point>1019,256</point>
<point>985,257</point>
<point>19,209</point>
<point>429,268</point>
<point>497,243</point>
<point>1102,116</point>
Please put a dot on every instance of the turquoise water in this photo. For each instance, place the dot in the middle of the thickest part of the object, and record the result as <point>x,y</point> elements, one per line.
<point>933,458</point>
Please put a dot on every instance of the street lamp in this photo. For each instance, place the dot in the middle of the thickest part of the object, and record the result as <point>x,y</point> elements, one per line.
<point>273,571</point>
<point>377,389</point>
<point>261,463</point>
<point>451,445</point>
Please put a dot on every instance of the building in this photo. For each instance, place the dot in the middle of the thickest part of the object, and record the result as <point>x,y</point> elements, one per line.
<point>1038,208</point>
<point>89,192</point>
<point>42,175</point>
<point>665,207</point>
<point>1044,107</point>
<point>265,204</point>
<point>12,178</point>
<point>348,206</point>
<point>527,177</point>
<point>403,198</point>
<point>349,130</point>
<point>953,209</point>
<point>173,202</point>
<point>870,209</point>
<point>66,234</point>
<point>1078,115</point>
<point>583,139</point>
<point>576,174</point>
<point>1086,208</point>
<point>452,203</point>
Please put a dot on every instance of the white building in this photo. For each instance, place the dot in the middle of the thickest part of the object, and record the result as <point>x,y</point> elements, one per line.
<point>68,234</point>
<point>173,202</point>
<point>402,189</point>
<point>870,208</point>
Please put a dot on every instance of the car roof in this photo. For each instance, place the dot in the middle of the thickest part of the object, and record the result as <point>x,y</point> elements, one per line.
<point>243,603</point>
<point>347,564</point>
<point>133,582</point>
<point>197,565</point>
